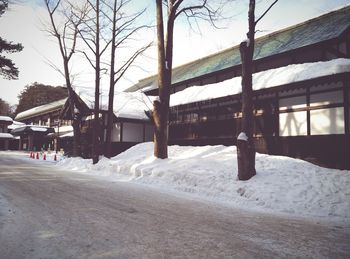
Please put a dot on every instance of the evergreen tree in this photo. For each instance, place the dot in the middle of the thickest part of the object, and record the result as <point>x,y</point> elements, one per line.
<point>7,68</point>
<point>5,108</point>
<point>39,94</point>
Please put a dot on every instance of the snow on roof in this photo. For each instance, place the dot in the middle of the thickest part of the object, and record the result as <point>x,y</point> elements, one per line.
<point>36,128</point>
<point>67,135</point>
<point>16,124</point>
<point>6,118</point>
<point>40,109</point>
<point>264,79</point>
<point>126,105</point>
<point>31,128</point>
<point>323,28</point>
<point>6,136</point>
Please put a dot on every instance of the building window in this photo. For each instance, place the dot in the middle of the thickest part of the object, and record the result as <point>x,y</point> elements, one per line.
<point>292,103</point>
<point>326,98</point>
<point>293,124</point>
<point>132,132</point>
<point>327,121</point>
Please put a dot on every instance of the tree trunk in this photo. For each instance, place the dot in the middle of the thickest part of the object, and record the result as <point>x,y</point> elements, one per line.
<point>111,88</point>
<point>161,106</point>
<point>96,126</point>
<point>245,141</point>
<point>75,118</point>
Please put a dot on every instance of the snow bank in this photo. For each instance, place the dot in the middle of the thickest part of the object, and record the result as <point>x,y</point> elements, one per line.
<point>265,79</point>
<point>282,184</point>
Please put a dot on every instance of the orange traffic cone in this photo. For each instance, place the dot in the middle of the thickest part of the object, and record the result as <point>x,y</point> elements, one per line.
<point>55,158</point>
<point>44,156</point>
<point>37,155</point>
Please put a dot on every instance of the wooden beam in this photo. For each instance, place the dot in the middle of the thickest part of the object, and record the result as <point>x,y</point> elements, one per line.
<point>346,108</point>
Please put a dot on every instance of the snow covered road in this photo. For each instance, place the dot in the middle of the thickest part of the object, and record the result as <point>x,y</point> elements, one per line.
<point>47,213</point>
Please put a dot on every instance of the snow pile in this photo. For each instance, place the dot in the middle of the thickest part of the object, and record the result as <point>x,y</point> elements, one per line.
<point>126,105</point>
<point>282,184</point>
<point>265,79</point>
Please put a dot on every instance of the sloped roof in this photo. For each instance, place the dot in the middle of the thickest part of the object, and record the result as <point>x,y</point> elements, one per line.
<point>126,105</point>
<point>261,80</point>
<point>31,129</point>
<point>6,136</point>
<point>40,109</point>
<point>326,27</point>
<point>5,120</point>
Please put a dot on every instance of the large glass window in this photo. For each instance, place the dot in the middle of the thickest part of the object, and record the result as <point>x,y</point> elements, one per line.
<point>293,124</point>
<point>327,121</point>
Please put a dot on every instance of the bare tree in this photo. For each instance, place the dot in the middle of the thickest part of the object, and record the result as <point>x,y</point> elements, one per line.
<point>191,9</point>
<point>66,36</point>
<point>245,141</point>
<point>92,32</point>
<point>123,32</point>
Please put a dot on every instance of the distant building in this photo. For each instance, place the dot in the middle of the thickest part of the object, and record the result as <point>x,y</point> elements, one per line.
<point>40,124</point>
<point>131,123</point>
<point>5,137</point>
<point>301,98</point>
<point>50,125</point>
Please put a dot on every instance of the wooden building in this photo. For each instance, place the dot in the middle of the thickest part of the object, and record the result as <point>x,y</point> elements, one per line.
<point>41,124</point>
<point>131,124</point>
<point>306,116</point>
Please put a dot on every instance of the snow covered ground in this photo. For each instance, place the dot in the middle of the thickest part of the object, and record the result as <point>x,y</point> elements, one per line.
<point>282,184</point>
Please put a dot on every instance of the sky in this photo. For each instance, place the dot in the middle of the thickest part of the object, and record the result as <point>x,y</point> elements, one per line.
<point>24,23</point>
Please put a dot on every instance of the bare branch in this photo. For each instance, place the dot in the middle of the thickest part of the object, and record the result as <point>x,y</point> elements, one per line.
<point>266,11</point>
<point>121,71</point>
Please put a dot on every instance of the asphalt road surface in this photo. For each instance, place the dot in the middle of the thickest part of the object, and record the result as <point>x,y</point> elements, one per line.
<point>47,213</point>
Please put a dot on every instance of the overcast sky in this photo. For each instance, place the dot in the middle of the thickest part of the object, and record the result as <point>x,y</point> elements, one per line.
<point>23,23</point>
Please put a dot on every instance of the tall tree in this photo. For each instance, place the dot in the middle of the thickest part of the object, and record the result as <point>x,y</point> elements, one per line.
<point>7,68</point>
<point>5,108</point>
<point>38,94</point>
<point>245,140</point>
<point>191,9</point>
<point>66,37</point>
<point>91,33</point>
<point>123,32</point>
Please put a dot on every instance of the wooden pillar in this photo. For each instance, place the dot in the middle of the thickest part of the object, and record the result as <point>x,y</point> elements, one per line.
<point>144,132</point>
<point>121,131</point>
<point>308,121</point>
<point>346,108</point>
<point>277,116</point>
